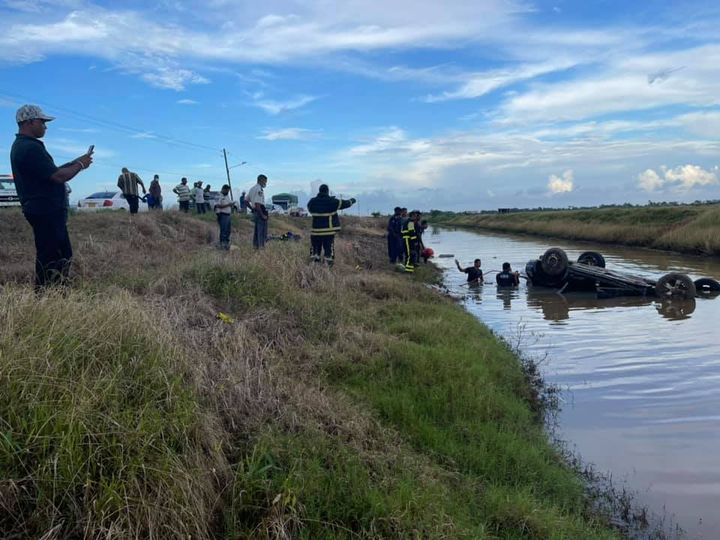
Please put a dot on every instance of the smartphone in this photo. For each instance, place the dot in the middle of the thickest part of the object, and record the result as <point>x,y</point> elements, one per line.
<point>91,149</point>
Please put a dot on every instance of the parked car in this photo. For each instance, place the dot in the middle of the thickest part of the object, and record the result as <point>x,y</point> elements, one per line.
<point>108,200</point>
<point>8,194</point>
<point>297,211</point>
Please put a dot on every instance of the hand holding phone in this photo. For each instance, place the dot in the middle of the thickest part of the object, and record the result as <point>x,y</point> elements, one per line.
<point>91,149</point>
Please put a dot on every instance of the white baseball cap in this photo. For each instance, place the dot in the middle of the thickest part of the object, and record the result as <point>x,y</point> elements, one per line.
<point>31,112</point>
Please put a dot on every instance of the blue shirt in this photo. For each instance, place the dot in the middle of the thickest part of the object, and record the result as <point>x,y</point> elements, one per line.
<point>32,168</point>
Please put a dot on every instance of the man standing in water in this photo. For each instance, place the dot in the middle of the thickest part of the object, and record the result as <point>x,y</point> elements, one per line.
<point>41,189</point>
<point>474,272</point>
<point>507,278</point>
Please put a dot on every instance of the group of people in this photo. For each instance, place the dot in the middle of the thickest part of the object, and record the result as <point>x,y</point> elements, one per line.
<point>42,188</point>
<point>506,278</point>
<point>405,238</point>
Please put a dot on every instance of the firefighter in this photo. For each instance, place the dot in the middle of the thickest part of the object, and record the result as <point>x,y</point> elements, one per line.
<point>325,223</point>
<point>410,240</point>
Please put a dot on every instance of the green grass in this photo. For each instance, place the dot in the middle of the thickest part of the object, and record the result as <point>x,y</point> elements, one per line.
<point>344,403</point>
<point>688,229</point>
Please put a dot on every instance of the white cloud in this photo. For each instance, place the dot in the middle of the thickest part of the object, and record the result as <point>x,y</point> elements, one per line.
<point>287,134</point>
<point>392,141</point>
<point>143,135</point>
<point>187,102</point>
<point>684,178</point>
<point>274,107</point>
<point>622,85</point>
<point>173,78</point>
<point>479,84</point>
<point>564,184</point>
<point>649,180</point>
<point>687,177</point>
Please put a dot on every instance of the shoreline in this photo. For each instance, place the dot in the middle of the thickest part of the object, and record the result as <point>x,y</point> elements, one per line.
<point>689,230</point>
<point>330,403</point>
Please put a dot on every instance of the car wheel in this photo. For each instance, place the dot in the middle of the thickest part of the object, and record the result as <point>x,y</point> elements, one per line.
<point>674,285</point>
<point>592,258</point>
<point>554,262</point>
<point>707,286</point>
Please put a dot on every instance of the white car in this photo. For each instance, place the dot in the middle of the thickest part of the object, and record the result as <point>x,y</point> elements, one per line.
<point>8,194</point>
<point>108,200</point>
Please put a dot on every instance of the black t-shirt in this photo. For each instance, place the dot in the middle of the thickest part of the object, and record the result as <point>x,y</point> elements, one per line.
<point>473,273</point>
<point>32,168</point>
<point>505,279</point>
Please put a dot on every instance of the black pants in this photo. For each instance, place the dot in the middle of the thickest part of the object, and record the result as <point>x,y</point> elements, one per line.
<point>320,243</point>
<point>52,246</point>
<point>396,251</point>
<point>184,206</point>
<point>133,202</point>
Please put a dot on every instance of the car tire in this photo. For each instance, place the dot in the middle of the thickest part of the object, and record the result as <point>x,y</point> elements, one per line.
<point>707,286</point>
<point>675,285</point>
<point>539,278</point>
<point>592,258</point>
<point>554,262</point>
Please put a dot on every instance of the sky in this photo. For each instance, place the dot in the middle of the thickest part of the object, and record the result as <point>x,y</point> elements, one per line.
<point>454,105</point>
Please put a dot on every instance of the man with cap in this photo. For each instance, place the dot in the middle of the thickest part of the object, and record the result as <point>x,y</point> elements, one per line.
<point>128,183</point>
<point>41,187</point>
<point>325,223</point>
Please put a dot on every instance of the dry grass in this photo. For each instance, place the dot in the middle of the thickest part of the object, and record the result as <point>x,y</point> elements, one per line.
<point>329,407</point>
<point>688,229</point>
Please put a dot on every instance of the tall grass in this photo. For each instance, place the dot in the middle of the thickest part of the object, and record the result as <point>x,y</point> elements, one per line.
<point>338,403</point>
<point>688,229</point>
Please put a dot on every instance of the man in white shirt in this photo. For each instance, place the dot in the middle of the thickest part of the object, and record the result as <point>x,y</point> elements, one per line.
<point>199,197</point>
<point>223,210</point>
<point>256,202</point>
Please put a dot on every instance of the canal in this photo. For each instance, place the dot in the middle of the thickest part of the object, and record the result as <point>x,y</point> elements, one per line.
<point>641,378</point>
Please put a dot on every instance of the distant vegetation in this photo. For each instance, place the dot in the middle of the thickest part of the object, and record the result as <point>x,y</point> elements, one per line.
<point>352,403</point>
<point>688,228</point>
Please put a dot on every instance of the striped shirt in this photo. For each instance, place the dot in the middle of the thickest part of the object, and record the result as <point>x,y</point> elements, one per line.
<point>183,192</point>
<point>128,183</point>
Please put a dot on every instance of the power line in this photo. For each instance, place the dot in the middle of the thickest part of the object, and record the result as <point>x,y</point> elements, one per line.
<point>118,126</point>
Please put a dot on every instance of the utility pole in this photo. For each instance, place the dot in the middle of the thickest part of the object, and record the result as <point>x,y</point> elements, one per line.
<point>227,171</point>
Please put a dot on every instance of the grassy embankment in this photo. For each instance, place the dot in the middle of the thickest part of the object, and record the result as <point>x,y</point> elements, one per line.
<point>687,229</point>
<point>350,403</point>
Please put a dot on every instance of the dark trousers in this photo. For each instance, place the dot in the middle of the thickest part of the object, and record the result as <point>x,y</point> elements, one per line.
<point>224,221</point>
<point>52,246</point>
<point>395,248</point>
<point>133,202</point>
<point>184,206</point>
<point>320,243</point>
<point>260,233</point>
<point>200,207</point>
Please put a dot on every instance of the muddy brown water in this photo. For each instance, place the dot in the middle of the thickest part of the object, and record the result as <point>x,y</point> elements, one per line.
<point>641,378</point>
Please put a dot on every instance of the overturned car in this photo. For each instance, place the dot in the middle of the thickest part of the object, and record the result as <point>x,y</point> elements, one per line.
<point>588,273</point>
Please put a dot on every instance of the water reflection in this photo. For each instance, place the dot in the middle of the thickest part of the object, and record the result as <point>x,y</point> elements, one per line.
<point>557,307</point>
<point>644,373</point>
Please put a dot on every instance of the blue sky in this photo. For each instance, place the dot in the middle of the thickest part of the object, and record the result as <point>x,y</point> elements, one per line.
<point>454,105</point>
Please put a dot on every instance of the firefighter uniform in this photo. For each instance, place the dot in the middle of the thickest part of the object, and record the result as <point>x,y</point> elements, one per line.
<point>325,223</point>
<point>410,244</point>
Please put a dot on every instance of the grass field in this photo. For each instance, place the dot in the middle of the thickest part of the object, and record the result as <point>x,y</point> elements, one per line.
<point>687,229</point>
<point>345,403</point>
